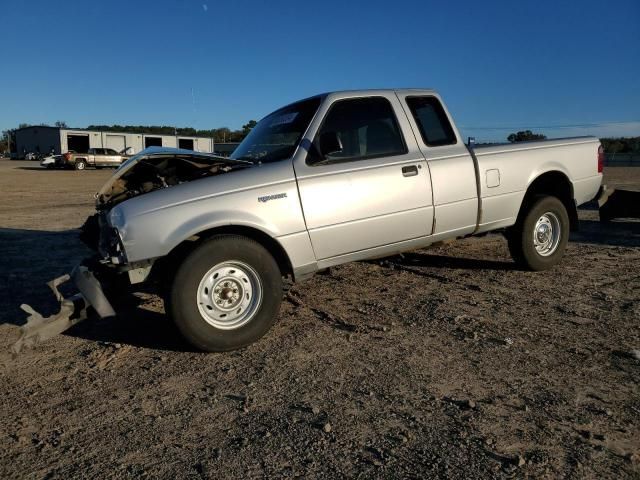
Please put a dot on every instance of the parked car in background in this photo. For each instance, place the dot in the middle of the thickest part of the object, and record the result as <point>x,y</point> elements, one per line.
<point>95,157</point>
<point>50,161</point>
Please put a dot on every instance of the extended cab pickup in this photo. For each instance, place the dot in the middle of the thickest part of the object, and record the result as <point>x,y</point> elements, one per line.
<point>95,157</point>
<point>330,179</point>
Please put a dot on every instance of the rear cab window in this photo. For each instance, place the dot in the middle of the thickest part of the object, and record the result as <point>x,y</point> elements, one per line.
<point>432,121</point>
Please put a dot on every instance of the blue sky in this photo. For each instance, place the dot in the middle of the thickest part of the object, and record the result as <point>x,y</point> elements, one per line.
<point>210,64</point>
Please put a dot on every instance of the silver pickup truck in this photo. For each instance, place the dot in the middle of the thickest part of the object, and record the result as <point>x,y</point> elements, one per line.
<point>334,178</point>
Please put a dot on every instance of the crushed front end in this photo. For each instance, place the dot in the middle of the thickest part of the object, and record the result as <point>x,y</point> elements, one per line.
<point>153,169</point>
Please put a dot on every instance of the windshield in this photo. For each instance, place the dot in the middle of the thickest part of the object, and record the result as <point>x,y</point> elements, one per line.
<point>277,135</point>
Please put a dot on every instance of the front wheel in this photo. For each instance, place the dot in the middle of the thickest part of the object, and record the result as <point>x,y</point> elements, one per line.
<point>539,239</point>
<point>226,294</point>
<point>80,165</point>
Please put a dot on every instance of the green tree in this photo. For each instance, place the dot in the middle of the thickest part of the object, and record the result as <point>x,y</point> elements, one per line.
<point>621,145</point>
<point>61,124</point>
<point>4,141</point>
<point>524,136</point>
<point>247,127</point>
<point>222,135</point>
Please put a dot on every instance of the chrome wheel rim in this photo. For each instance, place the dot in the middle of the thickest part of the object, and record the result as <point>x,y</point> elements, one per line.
<point>546,234</point>
<point>229,295</point>
<point>81,166</point>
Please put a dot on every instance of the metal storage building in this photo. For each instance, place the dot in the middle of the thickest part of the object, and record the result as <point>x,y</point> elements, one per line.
<point>43,139</point>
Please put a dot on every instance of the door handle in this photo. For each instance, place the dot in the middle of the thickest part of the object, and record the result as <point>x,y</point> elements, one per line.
<point>410,171</point>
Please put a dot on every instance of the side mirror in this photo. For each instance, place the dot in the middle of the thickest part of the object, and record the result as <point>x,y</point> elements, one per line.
<point>330,143</point>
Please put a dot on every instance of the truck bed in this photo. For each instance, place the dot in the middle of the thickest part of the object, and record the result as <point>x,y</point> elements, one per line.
<point>502,184</point>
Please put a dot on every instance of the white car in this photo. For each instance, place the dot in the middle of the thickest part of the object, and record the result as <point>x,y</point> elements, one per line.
<point>50,161</point>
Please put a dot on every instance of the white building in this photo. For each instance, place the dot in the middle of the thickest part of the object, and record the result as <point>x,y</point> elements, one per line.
<point>40,139</point>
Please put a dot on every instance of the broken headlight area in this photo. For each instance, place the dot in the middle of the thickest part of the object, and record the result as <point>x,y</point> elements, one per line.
<point>97,234</point>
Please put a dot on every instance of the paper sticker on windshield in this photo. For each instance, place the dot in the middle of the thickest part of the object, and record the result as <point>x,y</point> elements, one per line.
<point>283,119</point>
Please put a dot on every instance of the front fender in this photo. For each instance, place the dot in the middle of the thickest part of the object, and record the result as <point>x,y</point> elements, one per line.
<point>155,233</point>
<point>209,221</point>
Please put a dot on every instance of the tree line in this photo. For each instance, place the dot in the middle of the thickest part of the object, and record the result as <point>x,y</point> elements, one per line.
<point>219,135</point>
<point>621,145</point>
<point>610,145</point>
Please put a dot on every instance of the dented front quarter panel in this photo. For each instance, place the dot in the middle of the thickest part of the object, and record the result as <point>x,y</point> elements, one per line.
<point>263,197</point>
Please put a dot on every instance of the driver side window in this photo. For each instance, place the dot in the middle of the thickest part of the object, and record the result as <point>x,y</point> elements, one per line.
<point>358,129</point>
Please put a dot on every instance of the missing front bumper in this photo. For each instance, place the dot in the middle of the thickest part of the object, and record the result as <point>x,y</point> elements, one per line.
<point>72,309</point>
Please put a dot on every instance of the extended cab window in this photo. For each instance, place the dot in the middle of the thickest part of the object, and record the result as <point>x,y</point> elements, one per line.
<point>359,128</point>
<point>432,121</point>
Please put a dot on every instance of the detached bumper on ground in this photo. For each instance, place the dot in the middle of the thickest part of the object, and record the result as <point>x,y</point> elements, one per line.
<point>72,309</point>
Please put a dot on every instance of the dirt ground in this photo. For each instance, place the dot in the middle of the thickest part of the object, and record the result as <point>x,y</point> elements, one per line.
<point>445,362</point>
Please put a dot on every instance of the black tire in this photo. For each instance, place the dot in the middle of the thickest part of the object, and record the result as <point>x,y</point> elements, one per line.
<point>80,165</point>
<point>185,303</point>
<point>521,236</point>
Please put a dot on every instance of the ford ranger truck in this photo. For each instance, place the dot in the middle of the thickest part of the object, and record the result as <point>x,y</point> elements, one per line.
<point>335,178</point>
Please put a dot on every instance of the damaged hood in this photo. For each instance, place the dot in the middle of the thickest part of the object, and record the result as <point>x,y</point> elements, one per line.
<point>161,167</point>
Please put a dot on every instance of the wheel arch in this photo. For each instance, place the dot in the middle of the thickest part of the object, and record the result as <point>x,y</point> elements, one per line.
<point>168,264</point>
<point>553,183</point>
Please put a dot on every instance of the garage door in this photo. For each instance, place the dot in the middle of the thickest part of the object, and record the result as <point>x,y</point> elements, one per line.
<point>78,143</point>
<point>116,142</point>
<point>186,143</point>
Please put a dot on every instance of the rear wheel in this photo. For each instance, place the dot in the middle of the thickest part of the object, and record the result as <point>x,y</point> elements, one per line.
<point>81,165</point>
<point>226,294</point>
<point>539,239</point>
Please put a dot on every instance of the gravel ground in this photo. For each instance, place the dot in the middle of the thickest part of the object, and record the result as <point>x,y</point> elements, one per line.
<point>444,362</point>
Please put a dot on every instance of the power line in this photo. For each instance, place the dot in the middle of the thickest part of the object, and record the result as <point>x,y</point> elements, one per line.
<point>577,125</point>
